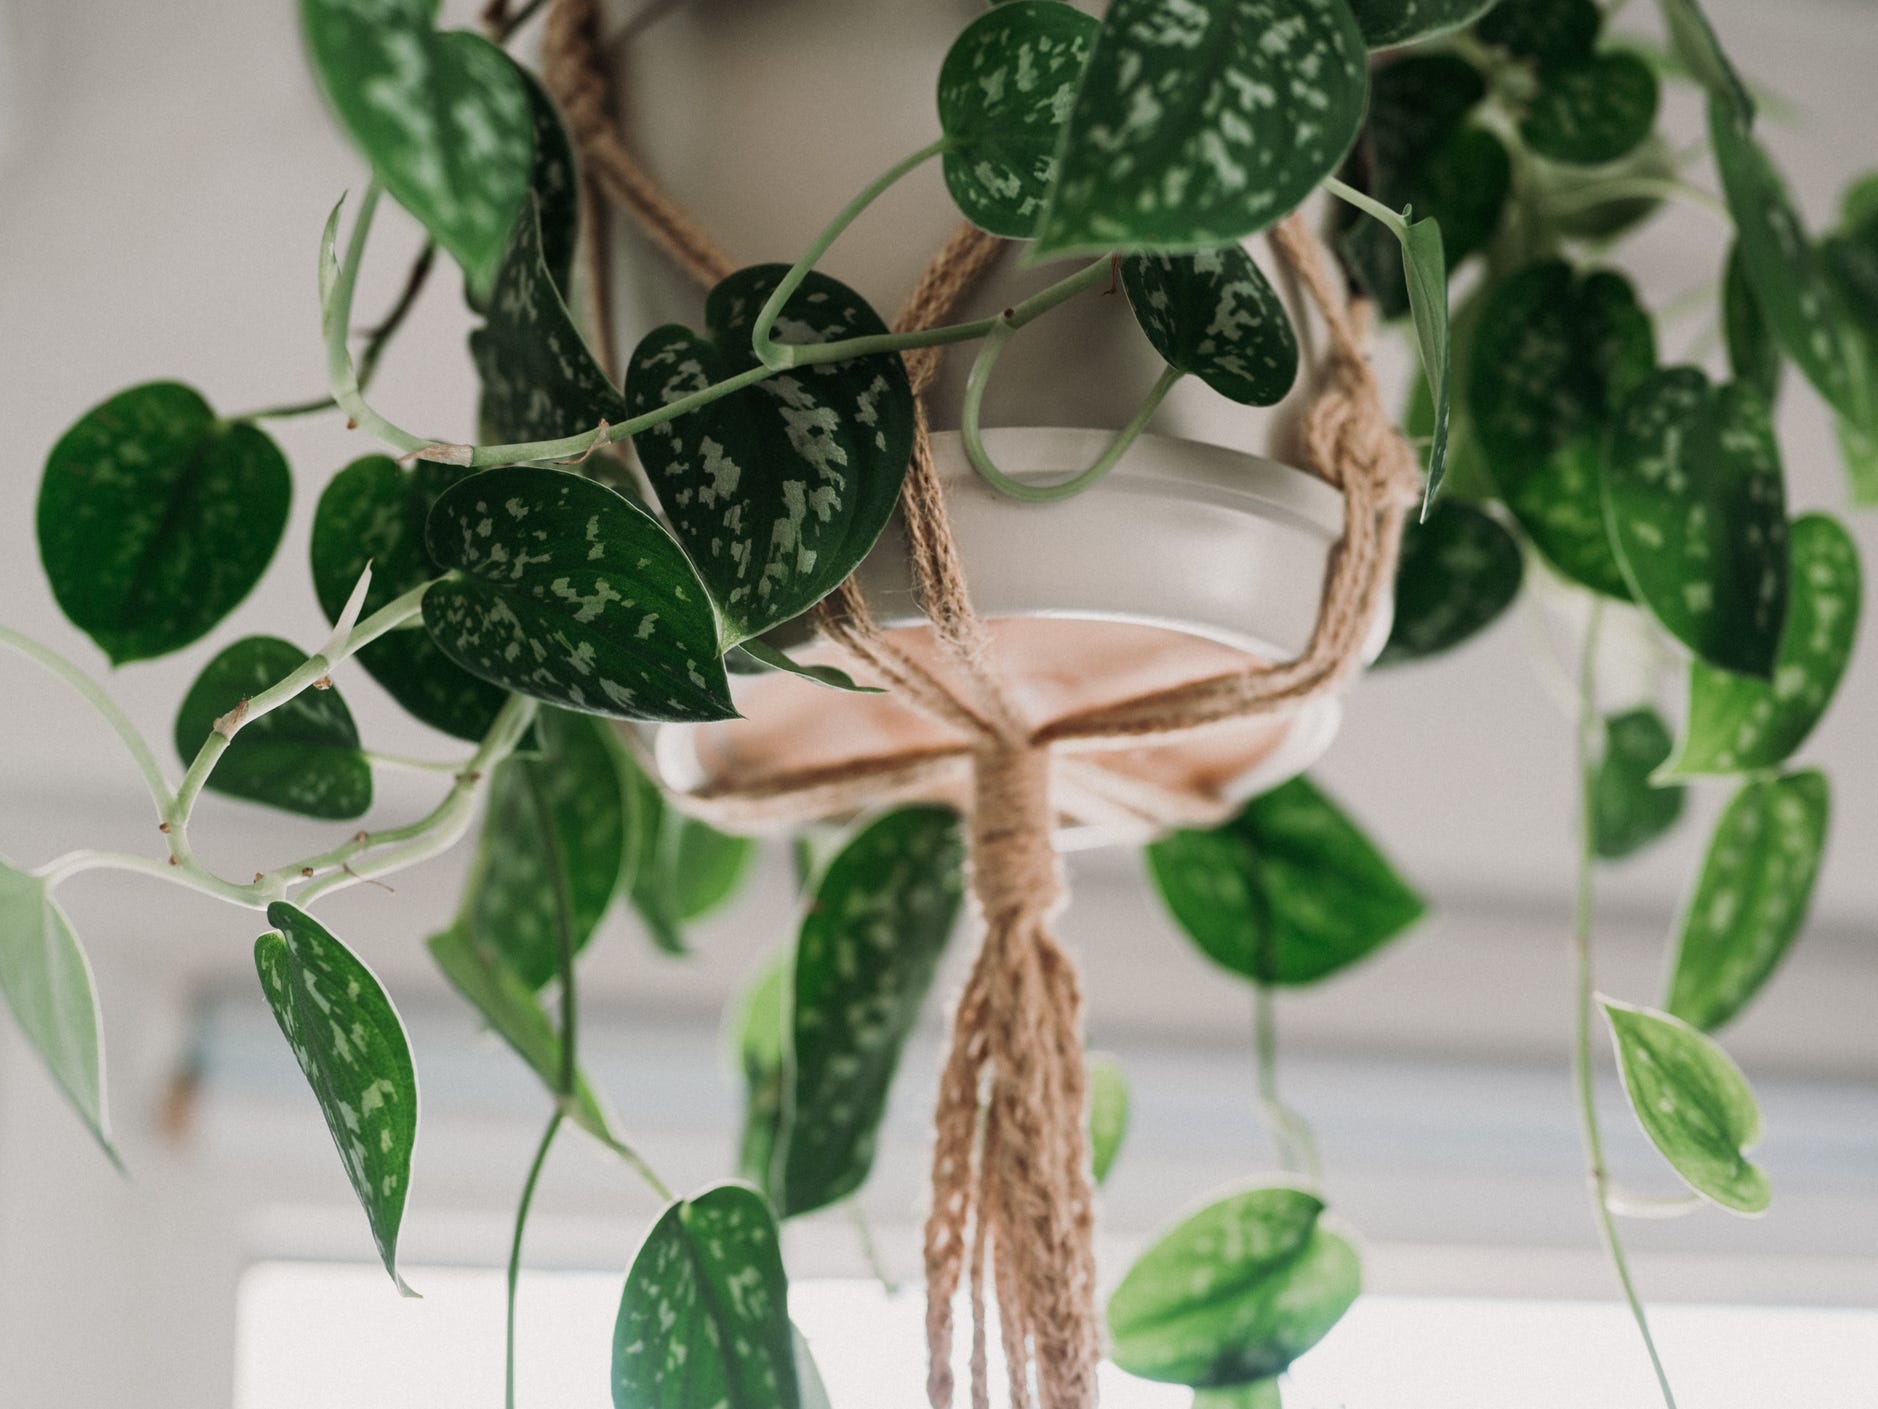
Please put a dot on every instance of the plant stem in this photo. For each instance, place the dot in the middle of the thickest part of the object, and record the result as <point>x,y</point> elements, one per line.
<point>1291,1133</point>
<point>870,1250</point>
<point>515,1246</point>
<point>1638,188</point>
<point>1583,916</point>
<point>190,875</point>
<point>407,764</point>
<point>338,317</point>
<point>1368,204</point>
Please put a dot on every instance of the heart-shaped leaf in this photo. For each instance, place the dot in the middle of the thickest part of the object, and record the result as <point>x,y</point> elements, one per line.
<point>779,490</point>
<point>1753,355</point>
<point>1234,1293</point>
<point>1692,1102</point>
<point>1554,356</point>
<point>47,982</point>
<point>682,869</point>
<point>1212,315</point>
<point>302,757</point>
<point>373,513</point>
<point>1197,125</point>
<point>539,380</point>
<point>1629,808</point>
<point>704,1318</point>
<point>1694,41</point>
<point>1696,506</point>
<point>156,519</point>
<point>1550,31</point>
<point>350,1043</point>
<point>1108,1113</point>
<point>1751,898</point>
<point>1738,724</point>
<point>883,910</point>
<point>1591,111</point>
<point>444,119</point>
<point>567,593</point>
<point>1458,571</point>
<point>1387,23</point>
<point>1287,892</point>
<point>1004,91</point>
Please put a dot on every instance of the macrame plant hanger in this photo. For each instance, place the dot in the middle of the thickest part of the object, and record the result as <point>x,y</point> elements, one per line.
<point>1011,1186</point>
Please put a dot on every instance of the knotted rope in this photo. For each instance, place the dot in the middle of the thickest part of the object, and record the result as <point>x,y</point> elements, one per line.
<point>1010,1172</point>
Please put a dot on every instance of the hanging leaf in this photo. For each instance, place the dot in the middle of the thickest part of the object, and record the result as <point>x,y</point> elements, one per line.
<point>683,868</point>
<point>1425,269</point>
<point>302,757</point>
<point>1551,31</point>
<point>1697,509</point>
<point>865,957</point>
<point>1459,570</point>
<point>1386,23</point>
<point>1004,91</point>
<point>704,1319</point>
<point>47,981</point>
<point>1753,355</point>
<point>156,518</point>
<point>1694,41</point>
<point>539,381</point>
<point>350,1043</point>
<point>1211,314</point>
<point>1288,892</point>
<point>1751,898</point>
<point>1554,356</point>
<point>567,593</point>
<point>1593,110</point>
<point>1197,125</point>
<point>757,655</point>
<point>1629,809</point>
<point>1851,259</point>
<point>372,513</point>
<point>1738,724</point>
<point>1692,1102</point>
<point>1234,1293</point>
<point>554,179</point>
<point>779,490</point>
<point>1108,1113</point>
<point>761,1036</point>
<point>444,119</point>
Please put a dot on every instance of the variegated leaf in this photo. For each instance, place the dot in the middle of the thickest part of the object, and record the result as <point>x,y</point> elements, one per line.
<point>1212,315</point>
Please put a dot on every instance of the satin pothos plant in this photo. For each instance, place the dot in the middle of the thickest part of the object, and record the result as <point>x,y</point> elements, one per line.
<point>520,595</point>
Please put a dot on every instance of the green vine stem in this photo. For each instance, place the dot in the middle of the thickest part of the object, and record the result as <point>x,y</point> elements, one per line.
<point>1369,205</point>
<point>515,1249</point>
<point>1589,726</point>
<point>1291,1133</point>
<point>1622,188</point>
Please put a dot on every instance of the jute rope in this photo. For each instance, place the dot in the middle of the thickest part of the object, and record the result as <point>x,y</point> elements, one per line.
<point>1011,1186</point>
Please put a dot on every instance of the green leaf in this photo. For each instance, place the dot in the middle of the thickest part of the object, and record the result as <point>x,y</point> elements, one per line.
<point>1459,570</point>
<point>1234,1293</point>
<point>1288,892</point>
<point>1425,268</point>
<point>555,180</point>
<point>156,519</point>
<point>761,655</point>
<point>372,513</point>
<point>1851,256</point>
<point>761,1035</point>
<point>511,905</point>
<point>1739,724</point>
<point>1197,125</point>
<point>864,961</point>
<point>1004,91</point>
<point>1386,23</point>
<point>302,757</point>
<point>1629,809</point>
<point>47,981</point>
<point>444,119</point>
<point>1753,355</point>
<point>1593,110</point>
<point>1554,356</point>
<point>567,593</point>
<point>1211,314</point>
<point>539,381</point>
<point>350,1042</point>
<point>1786,272</point>
<point>1696,506</point>
<point>704,1318</point>
<point>779,490</point>
<point>1108,1113</point>
<point>1551,31</point>
<point>1692,1102</point>
<point>1751,898</point>
<point>1694,42</point>
<point>682,868</point>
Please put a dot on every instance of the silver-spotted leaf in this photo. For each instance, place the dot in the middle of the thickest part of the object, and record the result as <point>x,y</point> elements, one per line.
<point>1693,1103</point>
<point>1629,808</point>
<point>1459,570</point>
<point>156,518</point>
<point>1591,111</point>
<point>1287,892</point>
<point>1212,315</point>
<point>566,592</point>
<point>302,757</point>
<point>1234,1293</point>
<point>1697,509</point>
<point>704,1317</point>
<point>1753,354</point>
<point>444,119</point>
<point>350,1043</point>
<point>1386,23</point>
<point>1108,1113</point>
<point>1197,125</point>
<point>1751,898</point>
<point>882,912</point>
<point>1737,723</point>
<point>47,982</point>
<point>1004,91</point>
<point>1550,31</point>
<point>779,490</point>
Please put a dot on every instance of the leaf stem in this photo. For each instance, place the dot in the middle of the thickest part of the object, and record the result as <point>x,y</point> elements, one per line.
<point>1368,204</point>
<point>190,875</point>
<point>1291,1133</point>
<point>515,1248</point>
<point>1638,188</point>
<point>337,317</point>
<point>870,1249</point>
